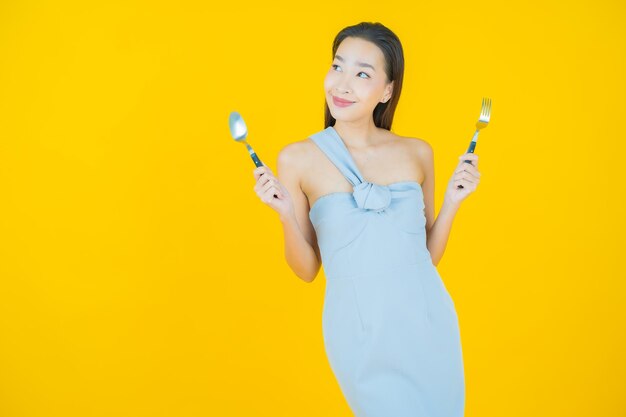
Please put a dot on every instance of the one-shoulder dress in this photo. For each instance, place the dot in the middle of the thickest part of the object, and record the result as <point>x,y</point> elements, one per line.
<point>389,325</point>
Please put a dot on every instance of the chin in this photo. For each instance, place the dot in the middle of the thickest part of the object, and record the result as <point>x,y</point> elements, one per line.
<point>344,116</point>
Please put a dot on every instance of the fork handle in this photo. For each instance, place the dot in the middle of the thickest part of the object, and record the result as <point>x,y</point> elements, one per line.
<point>471,148</point>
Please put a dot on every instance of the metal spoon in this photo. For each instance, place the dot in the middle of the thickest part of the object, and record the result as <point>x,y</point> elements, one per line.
<point>239,131</point>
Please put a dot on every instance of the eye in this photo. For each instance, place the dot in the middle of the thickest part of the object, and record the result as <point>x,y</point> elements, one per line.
<point>335,65</point>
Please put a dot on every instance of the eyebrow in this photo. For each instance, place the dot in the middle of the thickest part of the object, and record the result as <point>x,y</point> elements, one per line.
<point>360,64</point>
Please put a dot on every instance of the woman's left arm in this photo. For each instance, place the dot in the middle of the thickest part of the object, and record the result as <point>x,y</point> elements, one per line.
<point>466,174</point>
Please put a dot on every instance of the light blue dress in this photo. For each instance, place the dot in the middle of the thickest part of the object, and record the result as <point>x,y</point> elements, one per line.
<point>390,327</point>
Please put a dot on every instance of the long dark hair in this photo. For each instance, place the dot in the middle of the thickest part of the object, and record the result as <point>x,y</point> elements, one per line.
<point>391,48</point>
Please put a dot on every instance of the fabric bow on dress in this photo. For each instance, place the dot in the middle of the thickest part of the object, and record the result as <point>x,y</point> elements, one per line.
<point>372,196</point>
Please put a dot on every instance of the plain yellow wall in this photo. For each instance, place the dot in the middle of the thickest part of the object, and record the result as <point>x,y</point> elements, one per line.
<point>140,275</point>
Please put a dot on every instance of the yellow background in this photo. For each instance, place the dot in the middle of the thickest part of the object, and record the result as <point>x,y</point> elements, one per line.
<point>140,275</point>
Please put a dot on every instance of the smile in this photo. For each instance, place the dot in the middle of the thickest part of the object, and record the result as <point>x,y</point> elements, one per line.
<point>341,103</point>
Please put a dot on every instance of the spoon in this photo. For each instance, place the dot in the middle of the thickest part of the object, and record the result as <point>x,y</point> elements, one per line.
<point>239,131</point>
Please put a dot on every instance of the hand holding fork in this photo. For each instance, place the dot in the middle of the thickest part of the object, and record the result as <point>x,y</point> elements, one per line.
<point>466,176</point>
<point>485,114</point>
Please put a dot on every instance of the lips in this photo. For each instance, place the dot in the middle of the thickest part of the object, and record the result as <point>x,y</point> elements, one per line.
<point>341,102</point>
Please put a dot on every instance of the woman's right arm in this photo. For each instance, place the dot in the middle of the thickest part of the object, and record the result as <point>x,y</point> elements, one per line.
<point>301,249</point>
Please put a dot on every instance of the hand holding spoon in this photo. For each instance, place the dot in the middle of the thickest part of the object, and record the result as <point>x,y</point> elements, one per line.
<point>239,131</point>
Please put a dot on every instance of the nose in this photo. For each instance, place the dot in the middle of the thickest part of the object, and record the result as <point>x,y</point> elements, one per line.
<point>342,85</point>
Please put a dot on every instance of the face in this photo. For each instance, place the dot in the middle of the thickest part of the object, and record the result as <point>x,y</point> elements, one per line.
<point>357,74</point>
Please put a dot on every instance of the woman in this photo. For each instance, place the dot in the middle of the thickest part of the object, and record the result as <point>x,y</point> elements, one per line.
<point>360,199</point>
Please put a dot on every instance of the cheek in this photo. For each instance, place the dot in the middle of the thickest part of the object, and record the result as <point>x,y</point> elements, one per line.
<point>328,81</point>
<point>370,90</point>
<point>370,93</point>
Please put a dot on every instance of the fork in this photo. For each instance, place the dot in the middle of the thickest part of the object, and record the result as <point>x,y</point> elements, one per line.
<point>485,114</point>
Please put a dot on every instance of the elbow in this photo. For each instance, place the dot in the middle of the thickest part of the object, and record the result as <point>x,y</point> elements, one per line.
<point>310,277</point>
<point>307,275</point>
<point>307,270</point>
<point>308,280</point>
<point>435,257</point>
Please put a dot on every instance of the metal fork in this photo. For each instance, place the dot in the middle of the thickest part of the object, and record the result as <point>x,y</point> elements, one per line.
<point>485,114</point>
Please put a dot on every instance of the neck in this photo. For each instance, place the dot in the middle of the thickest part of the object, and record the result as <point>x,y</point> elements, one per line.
<point>357,133</point>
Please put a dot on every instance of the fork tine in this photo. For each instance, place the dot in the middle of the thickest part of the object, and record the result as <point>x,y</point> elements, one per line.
<point>486,110</point>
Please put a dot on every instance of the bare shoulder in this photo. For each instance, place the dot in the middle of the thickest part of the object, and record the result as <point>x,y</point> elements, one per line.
<point>417,146</point>
<point>297,153</point>
<point>295,157</point>
<point>418,151</point>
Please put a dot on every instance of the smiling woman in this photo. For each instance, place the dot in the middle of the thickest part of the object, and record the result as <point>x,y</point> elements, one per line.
<point>381,68</point>
<point>390,327</point>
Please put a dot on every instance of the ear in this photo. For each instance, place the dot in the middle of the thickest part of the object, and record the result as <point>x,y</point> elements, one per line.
<point>388,92</point>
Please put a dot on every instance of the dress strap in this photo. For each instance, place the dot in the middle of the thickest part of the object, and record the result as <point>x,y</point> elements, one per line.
<point>368,195</point>
<point>332,145</point>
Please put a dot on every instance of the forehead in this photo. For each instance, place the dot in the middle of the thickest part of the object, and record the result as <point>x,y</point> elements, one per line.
<point>359,50</point>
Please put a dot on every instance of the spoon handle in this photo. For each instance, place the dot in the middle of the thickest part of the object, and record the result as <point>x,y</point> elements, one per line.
<point>257,162</point>
<point>256,159</point>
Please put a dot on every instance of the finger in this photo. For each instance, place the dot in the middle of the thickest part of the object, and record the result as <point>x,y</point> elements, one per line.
<point>270,184</point>
<point>268,170</point>
<point>260,182</point>
<point>469,156</point>
<point>268,195</point>
<point>460,168</point>
<point>278,189</point>
<point>465,167</point>
<point>462,164</point>
<point>471,169</point>
<point>465,183</point>
<point>260,171</point>
<point>466,176</point>
<point>458,182</point>
<point>469,183</point>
